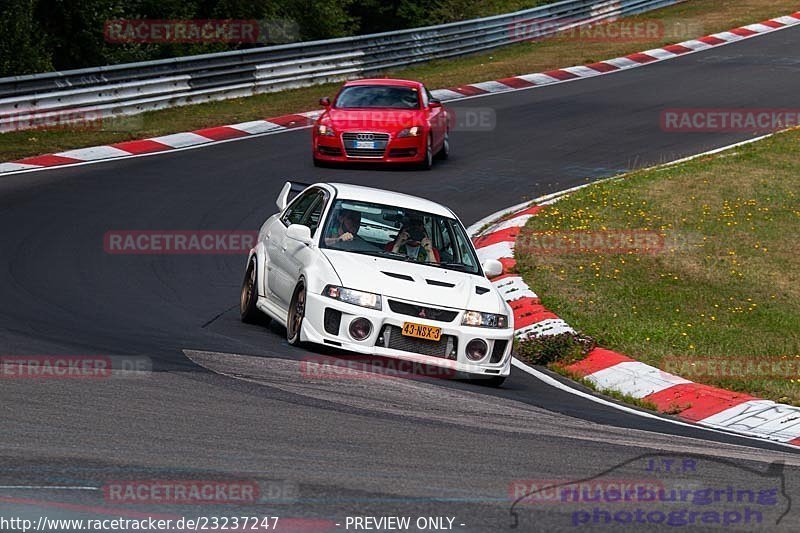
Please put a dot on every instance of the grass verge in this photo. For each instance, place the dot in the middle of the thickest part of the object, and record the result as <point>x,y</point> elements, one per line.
<point>725,285</point>
<point>683,21</point>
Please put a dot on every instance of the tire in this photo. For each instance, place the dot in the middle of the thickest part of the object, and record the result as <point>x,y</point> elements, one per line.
<point>427,162</point>
<point>297,310</point>
<point>444,151</point>
<point>494,381</point>
<point>248,311</point>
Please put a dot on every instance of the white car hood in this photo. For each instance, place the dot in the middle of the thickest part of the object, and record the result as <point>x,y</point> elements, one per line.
<point>368,273</point>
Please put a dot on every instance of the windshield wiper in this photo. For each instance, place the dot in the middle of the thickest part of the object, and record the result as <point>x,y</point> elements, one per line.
<point>454,266</point>
<point>384,253</point>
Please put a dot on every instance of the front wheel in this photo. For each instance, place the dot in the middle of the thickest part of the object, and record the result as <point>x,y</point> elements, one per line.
<point>247,299</point>
<point>444,151</point>
<point>427,162</point>
<point>297,310</point>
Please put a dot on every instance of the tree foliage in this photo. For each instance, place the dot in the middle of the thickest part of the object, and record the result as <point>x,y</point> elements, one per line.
<point>42,35</point>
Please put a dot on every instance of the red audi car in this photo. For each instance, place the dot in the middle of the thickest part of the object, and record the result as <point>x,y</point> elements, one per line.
<point>381,121</point>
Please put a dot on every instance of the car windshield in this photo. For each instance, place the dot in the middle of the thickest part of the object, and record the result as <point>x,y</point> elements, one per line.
<point>372,96</point>
<point>399,234</point>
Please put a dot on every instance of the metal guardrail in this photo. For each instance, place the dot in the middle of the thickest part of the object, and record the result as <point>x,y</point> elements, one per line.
<point>116,90</point>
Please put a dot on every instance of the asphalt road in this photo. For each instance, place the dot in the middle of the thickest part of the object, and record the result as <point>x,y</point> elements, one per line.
<point>227,400</point>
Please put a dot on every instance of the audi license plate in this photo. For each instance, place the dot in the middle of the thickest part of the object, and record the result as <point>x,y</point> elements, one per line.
<point>430,333</point>
<point>367,145</point>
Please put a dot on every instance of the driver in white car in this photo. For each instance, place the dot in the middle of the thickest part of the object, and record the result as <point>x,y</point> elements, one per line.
<point>348,221</point>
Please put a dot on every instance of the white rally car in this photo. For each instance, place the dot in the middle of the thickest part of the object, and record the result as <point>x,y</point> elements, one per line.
<point>379,273</point>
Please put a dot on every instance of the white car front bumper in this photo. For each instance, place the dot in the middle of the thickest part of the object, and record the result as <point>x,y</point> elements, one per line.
<point>386,340</point>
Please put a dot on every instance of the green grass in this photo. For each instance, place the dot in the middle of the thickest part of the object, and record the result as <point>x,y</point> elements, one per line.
<point>727,283</point>
<point>700,17</point>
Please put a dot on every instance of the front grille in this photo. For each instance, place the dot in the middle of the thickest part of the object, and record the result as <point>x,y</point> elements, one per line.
<point>419,311</point>
<point>332,320</point>
<point>392,337</point>
<point>498,350</point>
<point>349,140</point>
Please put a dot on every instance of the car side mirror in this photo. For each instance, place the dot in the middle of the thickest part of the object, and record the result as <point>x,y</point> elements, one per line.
<point>491,267</point>
<point>434,103</point>
<point>299,233</point>
<point>325,101</point>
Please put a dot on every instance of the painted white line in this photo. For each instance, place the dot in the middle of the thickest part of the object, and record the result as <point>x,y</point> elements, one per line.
<point>515,222</point>
<point>695,45</point>
<point>94,153</point>
<point>549,380</point>
<point>727,36</point>
<point>498,250</point>
<point>492,86</point>
<point>545,328</point>
<point>476,226</point>
<point>635,379</point>
<point>539,78</point>
<point>760,28</point>
<point>513,288</point>
<point>256,126</point>
<point>583,72</point>
<point>786,19</point>
<point>660,54</point>
<point>180,140</point>
<point>759,417</point>
<point>446,94</point>
<point>16,167</point>
<point>623,63</point>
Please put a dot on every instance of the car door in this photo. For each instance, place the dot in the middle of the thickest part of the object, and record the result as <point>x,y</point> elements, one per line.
<point>436,116</point>
<point>281,268</point>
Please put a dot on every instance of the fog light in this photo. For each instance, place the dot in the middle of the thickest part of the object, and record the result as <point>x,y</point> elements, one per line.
<point>360,328</point>
<point>476,349</point>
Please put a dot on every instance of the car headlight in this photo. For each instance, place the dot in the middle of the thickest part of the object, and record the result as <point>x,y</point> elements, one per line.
<point>325,130</point>
<point>484,320</point>
<point>413,131</point>
<point>352,296</point>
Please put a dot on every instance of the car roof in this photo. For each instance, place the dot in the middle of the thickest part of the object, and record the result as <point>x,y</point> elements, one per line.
<point>384,81</point>
<point>346,191</point>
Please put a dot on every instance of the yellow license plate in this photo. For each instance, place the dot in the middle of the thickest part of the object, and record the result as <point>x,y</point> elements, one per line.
<point>430,333</point>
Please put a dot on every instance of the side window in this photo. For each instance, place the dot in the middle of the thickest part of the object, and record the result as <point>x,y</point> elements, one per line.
<point>446,249</point>
<point>314,213</point>
<point>295,212</point>
<point>428,95</point>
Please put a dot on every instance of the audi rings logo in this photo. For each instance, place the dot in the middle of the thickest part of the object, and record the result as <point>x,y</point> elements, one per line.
<point>365,136</point>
